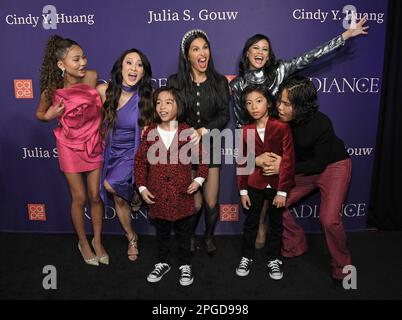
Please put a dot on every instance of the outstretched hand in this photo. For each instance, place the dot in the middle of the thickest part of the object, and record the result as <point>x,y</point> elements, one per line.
<point>356,28</point>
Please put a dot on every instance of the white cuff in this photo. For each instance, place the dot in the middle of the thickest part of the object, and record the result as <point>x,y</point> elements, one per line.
<point>244,192</point>
<point>142,188</point>
<point>282,193</point>
<point>199,180</point>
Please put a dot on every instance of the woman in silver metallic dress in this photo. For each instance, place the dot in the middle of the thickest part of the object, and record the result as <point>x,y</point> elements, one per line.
<point>258,65</point>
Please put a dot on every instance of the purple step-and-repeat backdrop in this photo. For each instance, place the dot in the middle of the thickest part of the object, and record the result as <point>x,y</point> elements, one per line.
<point>34,195</point>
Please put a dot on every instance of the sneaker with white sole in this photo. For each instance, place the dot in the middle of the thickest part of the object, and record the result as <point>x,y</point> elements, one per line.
<point>243,269</point>
<point>160,269</point>
<point>275,269</point>
<point>186,275</point>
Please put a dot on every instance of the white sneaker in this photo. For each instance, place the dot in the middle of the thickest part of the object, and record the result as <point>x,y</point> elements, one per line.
<point>243,269</point>
<point>186,276</point>
<point>159,271</point>
<point>275,269</point>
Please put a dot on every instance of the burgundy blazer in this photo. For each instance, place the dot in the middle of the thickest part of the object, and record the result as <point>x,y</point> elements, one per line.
<point>167,182</point>
<point>277,139</point>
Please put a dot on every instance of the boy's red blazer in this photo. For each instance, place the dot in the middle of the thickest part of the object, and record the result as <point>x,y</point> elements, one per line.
<point>277,139</point>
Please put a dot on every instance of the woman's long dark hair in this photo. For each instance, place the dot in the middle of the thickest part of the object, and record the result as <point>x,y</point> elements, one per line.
<point>302,94</point>
<point>269,66</point>
<point>113,92</point>
<point>182,81</point>
<point>50,74</point>
<point>262,90</point>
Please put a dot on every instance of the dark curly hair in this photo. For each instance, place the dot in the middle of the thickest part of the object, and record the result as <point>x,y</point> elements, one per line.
<point>262,90</point>
<point>302,94</point>
<point>50,74</point>
<point>113,92</point>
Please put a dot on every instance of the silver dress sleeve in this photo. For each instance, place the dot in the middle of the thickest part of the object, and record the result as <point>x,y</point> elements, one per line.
<point>283,71</point>
<point>289,67</point>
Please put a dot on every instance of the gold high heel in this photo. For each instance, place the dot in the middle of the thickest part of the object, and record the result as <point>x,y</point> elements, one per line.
<point>133,243</point>
<point>91,261</point>
<point>104,259</point>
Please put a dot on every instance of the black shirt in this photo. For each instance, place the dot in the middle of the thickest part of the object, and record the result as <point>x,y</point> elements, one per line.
<point>316,145</point>
<point>206,108</point>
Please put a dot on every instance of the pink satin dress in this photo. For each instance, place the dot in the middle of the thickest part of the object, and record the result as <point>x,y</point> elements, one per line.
<point>79,145</point>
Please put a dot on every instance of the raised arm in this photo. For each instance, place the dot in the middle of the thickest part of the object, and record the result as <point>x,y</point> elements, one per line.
<point>355,29</point>
<point>287,68</point>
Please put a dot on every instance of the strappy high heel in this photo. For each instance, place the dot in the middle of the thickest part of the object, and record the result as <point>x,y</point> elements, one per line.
<point>133,243</point>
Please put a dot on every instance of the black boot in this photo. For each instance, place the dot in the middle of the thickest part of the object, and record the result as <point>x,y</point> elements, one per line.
<point>195,219</point>
<point>211,218</point>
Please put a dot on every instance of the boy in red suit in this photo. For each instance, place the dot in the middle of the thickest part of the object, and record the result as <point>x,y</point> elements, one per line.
<point>271,135</point>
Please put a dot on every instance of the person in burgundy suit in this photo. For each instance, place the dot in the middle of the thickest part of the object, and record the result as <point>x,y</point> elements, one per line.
<point>270,135</point>
<point>163,172</point>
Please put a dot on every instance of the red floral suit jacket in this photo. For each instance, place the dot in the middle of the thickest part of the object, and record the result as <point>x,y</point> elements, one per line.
<point>168,182</point>
<point>277,139</point>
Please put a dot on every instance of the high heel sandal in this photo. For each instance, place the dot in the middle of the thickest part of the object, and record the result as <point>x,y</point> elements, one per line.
<point>91,261</point>
<point>133,243</point>
<point>103,259</point>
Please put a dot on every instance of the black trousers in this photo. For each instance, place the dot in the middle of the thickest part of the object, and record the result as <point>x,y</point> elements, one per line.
<point>182,229</point>
<point>251,223</point>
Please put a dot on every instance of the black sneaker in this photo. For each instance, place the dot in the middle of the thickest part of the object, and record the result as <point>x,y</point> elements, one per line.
<point>186,276</point>
<point>159,271</point>
<point>243,269</point>
<point>275,269</point>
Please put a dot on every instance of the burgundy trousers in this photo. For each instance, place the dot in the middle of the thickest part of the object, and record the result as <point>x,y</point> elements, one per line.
<point>333,184</point>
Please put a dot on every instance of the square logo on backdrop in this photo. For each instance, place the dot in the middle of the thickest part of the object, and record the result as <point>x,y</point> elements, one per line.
<point>23,88</point>
<point>229,212</point>
<point>36,211</point>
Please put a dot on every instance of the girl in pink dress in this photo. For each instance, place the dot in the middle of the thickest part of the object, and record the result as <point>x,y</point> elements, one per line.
<point>68,93</point>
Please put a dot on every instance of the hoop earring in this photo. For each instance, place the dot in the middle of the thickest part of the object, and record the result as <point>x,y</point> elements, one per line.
<point>62,73</point>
